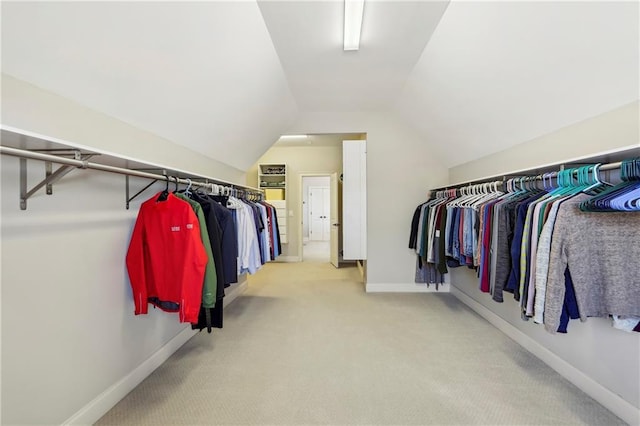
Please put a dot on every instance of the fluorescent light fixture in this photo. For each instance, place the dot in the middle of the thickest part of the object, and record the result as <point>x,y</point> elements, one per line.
<point>353,10</point>
<point>285,137</point>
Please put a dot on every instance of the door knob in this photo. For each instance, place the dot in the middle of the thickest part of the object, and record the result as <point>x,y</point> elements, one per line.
<point>336,224</point>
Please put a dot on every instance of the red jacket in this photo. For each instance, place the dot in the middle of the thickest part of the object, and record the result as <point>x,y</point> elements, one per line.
<point>166,258</point>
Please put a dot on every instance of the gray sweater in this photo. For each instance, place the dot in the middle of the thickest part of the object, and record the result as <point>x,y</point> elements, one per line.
<point>602,251</point>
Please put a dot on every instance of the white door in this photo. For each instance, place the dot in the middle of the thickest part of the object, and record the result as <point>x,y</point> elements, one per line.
<point>319,213</point>
<point>326,212</point>
<point>334,222</point>
<point>354,200</point>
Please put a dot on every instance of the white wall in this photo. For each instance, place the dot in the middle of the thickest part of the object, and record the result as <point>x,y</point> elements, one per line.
<point>69,335</point>
<point>28,107</point>
<point>605,356</point>
<point>497,73</point>
<point>307,182</point>
<point>400,169</point>
<point>610,131</point>
<point>202,74</point>
<point>68,328</point>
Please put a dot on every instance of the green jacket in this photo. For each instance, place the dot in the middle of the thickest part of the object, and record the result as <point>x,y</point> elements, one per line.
<point>210,280</point>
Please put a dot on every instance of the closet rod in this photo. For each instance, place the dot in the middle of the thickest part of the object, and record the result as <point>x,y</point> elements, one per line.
<point>84,164</point>
<point>603,167</point>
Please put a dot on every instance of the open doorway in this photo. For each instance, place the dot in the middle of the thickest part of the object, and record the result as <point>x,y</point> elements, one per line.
<point>312,155</point>
<point>316,217</point>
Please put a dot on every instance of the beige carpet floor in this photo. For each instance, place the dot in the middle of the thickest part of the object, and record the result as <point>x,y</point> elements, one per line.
<point>306,345</point>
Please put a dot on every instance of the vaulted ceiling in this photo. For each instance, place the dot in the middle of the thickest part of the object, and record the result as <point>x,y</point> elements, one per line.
<point>225,78</point>
<point>496,74</point>
<point>323,77</point>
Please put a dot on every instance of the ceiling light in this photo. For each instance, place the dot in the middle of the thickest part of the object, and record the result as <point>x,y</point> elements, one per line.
<point>353,10</point>
<point>293,137</point>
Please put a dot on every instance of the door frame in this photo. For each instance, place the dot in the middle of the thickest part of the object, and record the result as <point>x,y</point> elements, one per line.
<point>303,175</point>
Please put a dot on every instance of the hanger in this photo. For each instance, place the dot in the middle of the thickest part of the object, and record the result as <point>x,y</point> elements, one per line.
<point>530,182</point>
<point>565,184</point>
<point>187,191</point>
<point>591,177</point>
<point>164,194</point>
<point>176,188</point>
<point>475,193</point>
<point>487,192</point>
<point>622,197</point>
<point>547,186</point>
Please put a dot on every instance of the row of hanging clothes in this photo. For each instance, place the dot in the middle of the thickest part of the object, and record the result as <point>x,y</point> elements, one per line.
<point>565,245</point>
<point>188,246</point>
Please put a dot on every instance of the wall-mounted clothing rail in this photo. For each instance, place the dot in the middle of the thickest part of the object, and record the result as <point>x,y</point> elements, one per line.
<point>547,245</point>
<point>81,161</point>
<point>550,175</point>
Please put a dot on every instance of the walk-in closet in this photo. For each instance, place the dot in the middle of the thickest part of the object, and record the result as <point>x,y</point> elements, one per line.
<point>320,212</point>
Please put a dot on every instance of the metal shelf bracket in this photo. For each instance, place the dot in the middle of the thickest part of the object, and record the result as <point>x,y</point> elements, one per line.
<point>51,176</point>
<point>127,191</point>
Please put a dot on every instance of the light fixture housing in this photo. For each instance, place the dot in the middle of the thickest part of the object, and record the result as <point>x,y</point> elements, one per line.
<point>353,11</point>
<point>285,137</point>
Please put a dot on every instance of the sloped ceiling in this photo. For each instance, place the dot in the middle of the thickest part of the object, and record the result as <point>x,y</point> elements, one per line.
<point>496,74</point>
<point>227,78</point>
<point>201,74</point>
<point>332,139</point>
<point>323,77</point>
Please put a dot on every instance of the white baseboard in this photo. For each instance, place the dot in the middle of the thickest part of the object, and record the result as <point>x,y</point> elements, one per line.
<point>100,405</point>
<point>406,288</point>
<point>91,413</point>
<point>604,396</point>
<point>288,259</point>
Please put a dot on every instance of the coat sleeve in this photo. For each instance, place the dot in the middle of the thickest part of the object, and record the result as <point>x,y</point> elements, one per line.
<point>558,261</point>
<point>413,234</point>
<point>194,269</point>
<point>136,266</point>
<point>209,288</point>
